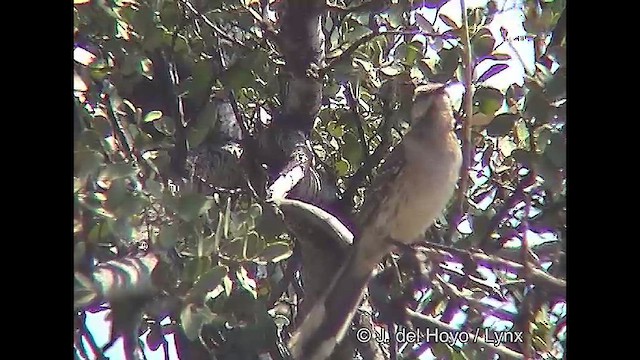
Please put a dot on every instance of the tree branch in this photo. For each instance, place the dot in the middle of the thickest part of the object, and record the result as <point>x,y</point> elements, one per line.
<point>537,277</point>
<point>514,199</point>
<point>425,322</point>
<point>363,40</point>
<point>467,147</point>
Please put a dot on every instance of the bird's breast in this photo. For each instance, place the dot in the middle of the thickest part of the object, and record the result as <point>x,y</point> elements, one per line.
<point>423,189</point>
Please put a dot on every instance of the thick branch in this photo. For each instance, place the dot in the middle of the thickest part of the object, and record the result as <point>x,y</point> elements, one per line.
<point>302,43</point>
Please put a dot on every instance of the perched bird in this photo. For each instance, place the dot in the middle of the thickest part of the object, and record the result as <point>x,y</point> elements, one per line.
<point>411,190</point>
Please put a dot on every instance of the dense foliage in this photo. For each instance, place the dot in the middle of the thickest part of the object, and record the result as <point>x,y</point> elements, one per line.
<point>183,109</point>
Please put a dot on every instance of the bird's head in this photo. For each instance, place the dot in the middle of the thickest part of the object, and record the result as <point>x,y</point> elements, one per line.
<point>425,98</point>
<point>431,105</point>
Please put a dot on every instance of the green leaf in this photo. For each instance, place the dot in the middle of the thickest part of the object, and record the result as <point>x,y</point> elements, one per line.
<point>206,120</point>
<point>200,87</point>
<point>239,75</point>
<point>414,52</point>
<point>482,43</point>
<point>489,100</point>
<point>458,355</point>
<point>235,248</point>
<point>522,133</point>
<point>87,162</point>
<point>100,232</point>
<point>89,139</point>
<point>242,224</point>
<point>392,70</point>
<point>77,185</point>
<point>500,56</point>
<point>195,266</point>
<point>275,252</point>
<point>506,146</point>
<point>334,129</point>
<point>79,251</point>
<point>537,106</point>
<point>192,205</point>
<point>449,61</point>
<point>208,281</point>
<point>152,116</point>
<point>190,322</point>
<point>217,236</point>
<point>424,24</point>
<point>524,157</point>
<point>542,140</point>
<point>168,236</point>
<point>556,87</point>
<point>442,350</point>
<point>556,151</point>
<point>117,171</point>
<point>117,194</point>
<point>502,124</point>
<point>207,245</point>
<point>246,282</point>
<point>447,20</point>
<point>551,175</point>
<point>192,317</point>
<point>395,15</point>
<point>146,68</point>
<point>269,225</point>
<point>352,149</point>
<point>154,188</point>
<point>358,32</point>
<point>254,244</point>
<point>99,69</point>
<point>227,218</point>
<point>255,210</point>
<point>342,167</point>
<point>165,125</point>
<point>83,291</point>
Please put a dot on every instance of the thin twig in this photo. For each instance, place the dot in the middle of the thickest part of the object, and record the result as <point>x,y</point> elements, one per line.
<point>352,102</point>
<point>393,344</point>
<point>363,40</point>
<point>292,266</point>
<point>514,199</point>
<point>141,349</point>
<point>426,322</point>
<point>365,6</point>
<point>467,151</point>
<point>265,25</point>
<point>538,277</point>
<point>165,348</point>
<point>453,293</point>
<point>249,156</point>
<point>81,349</point>
<point>175,103</point>
<point>220,32</point>
<point>92,342</point>
<point>524,248</point>
<point>559,31</point>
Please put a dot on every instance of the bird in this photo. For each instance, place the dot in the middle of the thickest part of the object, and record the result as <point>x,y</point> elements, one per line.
<point>413,186</point>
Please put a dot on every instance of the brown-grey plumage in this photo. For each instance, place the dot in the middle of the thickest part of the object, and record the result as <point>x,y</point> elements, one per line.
<point>412,189</point>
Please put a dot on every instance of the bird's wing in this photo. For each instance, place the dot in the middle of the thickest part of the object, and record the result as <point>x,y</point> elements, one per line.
<point>382,185</point>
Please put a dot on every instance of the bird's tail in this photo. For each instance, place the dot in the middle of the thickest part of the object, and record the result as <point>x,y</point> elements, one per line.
<point>330,317</point>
